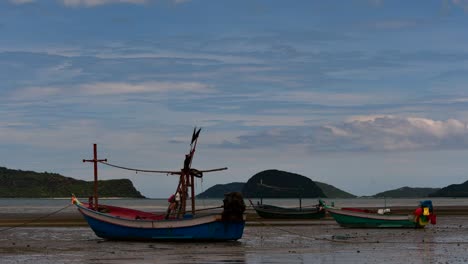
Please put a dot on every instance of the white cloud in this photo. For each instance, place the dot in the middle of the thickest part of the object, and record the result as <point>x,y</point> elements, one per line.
<point>439,129</point>
<point>109,88</point>
<point>31,93</point>
<point>337,131</point>
<point>20,2</point>
<point>161,54</point>
<point>92,3</point>
<point>367,118</point>
<point>370,134</point>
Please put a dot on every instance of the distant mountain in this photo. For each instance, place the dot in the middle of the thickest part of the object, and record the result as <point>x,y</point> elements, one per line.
<point>332,192</point>
<point>30,184</point>
<point>219,190</point>
<point>454,190</point>
<point>407,192</point>
<point>281,184</point>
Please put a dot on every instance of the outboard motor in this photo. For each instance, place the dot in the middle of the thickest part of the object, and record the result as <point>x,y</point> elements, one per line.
<point>234,207</point>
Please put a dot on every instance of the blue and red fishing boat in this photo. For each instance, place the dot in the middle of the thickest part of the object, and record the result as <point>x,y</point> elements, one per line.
<point>223,223</point>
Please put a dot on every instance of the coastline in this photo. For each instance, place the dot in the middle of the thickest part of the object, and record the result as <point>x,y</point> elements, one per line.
<point>72,218</point>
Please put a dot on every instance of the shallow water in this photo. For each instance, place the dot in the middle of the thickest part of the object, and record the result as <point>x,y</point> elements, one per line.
<point>446,242</point>
<point>48,205</point>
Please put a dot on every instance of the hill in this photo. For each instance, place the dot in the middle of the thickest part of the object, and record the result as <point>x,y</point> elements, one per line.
<point>332,192</point>
<point>281,184</point>
<point>219,190</point>
<point>30,184</point>
<point>454,190</point>
<point>407,192</point>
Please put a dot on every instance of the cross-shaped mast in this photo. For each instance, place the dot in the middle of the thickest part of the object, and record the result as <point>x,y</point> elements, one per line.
<point>95,160</point>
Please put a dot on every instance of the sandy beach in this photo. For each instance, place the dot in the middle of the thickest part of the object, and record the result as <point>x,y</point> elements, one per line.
<point>65,238</point>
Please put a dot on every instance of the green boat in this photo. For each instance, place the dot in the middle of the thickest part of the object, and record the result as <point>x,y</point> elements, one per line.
<point>276,212</point>
<point>363,218</point>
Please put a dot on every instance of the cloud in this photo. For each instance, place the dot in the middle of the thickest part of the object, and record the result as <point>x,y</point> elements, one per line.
<point>35,93</point>
<point>376,3</point>
<point>20,2</point>
<point>461,3</point>
<point>92,3</point>
<point>395,24</point>
<point>110,88</point>
<point>368,134</point>
<point>325,98</point>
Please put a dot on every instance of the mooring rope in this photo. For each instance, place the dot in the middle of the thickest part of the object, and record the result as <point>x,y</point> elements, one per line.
<point>35,219</point>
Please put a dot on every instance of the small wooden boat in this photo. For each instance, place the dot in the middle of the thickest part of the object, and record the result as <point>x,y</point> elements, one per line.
<point>382,218</point>
<point>276,212</point>
<point>117,223</point>
<point>218,224</point>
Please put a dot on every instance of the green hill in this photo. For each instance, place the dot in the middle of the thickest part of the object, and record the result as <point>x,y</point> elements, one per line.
<point>407,192</point>
<point>281,184</point>
<point>30,184</point>
<point>454,190</point>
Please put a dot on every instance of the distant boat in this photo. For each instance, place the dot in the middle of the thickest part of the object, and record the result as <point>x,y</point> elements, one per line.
<point>382,218</point>
<point>223,223</point>
<point>276,212</point>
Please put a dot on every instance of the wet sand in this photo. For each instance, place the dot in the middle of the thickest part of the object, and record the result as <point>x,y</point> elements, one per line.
<point>263,242</point>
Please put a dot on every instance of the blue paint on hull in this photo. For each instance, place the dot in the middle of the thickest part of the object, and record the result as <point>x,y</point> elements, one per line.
<point>216,231</point>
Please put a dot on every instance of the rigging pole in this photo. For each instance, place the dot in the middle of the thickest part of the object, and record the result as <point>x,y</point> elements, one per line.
<point>95,160</point>
<point>186,176</point>
<point>192,177</point>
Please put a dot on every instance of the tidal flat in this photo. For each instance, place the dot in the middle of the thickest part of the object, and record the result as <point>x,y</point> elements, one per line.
<point>263,242</point>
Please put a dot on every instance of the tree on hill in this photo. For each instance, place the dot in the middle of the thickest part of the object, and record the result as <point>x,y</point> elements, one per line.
<point>30,184</point>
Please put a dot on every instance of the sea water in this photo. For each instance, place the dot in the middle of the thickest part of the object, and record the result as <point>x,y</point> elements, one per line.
<point>44,205</point>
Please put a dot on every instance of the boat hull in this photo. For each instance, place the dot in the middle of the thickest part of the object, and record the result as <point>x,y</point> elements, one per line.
<point>366,220</point>
<point>210,227</point>
<point>274,212</point>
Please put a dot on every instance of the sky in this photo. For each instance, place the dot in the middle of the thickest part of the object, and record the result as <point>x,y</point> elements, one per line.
<point>366,95</point>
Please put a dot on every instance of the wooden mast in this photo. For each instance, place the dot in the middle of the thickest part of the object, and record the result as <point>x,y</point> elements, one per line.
<point>192,177</point>
<point>186,176</point>
<point>95,161</point>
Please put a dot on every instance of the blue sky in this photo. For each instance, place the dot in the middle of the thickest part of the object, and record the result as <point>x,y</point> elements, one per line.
<point>366,95</point>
